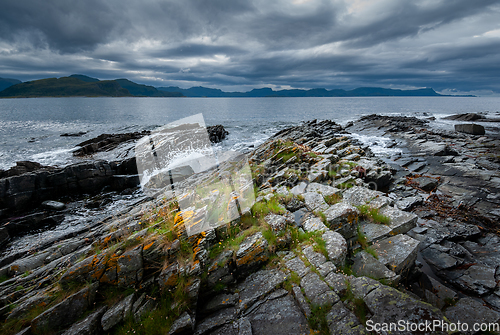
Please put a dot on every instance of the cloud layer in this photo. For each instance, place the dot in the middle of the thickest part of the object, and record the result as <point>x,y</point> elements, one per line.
<point>450,45</point>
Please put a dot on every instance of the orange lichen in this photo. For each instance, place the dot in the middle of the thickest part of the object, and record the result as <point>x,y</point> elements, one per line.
<point>147,246</point>
<point>252,256</point>
<point>171,281</point>
<point>106,240</point>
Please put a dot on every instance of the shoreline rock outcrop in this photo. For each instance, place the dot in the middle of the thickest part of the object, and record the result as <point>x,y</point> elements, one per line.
<point>329,216</point>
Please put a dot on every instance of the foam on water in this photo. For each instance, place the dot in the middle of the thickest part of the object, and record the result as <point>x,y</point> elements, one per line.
<point>378,144</point>
<point>57,157</point>
<point>30,128</point>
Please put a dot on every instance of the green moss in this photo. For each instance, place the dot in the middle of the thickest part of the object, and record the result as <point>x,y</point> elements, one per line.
<point>219,287</point>
<point>293,172</point>
<point>299,236</point>
<point>156,322</point>
<point>372,252</point>
<point>349,295</point>
<point>111,294</point>
<point>180,295</point>
<point>14,326</point>
<point>320,245</point>
<point>351,164</point>
<point>96,249</point>
<point>322,216</point>
<point>360,309</point>
<point>332,199</point>
<point>312,154</point>
<point>346,185</point>
<point>269,236</point>
<point>357,305</point>
<point>380,218</point>
<point>232,239</point>
<point>361,238</point>
<point>317,319</point>
<point>280,144</point>
<point>284,199</point>
<point>286,155</point>
<point>260,209</point>
<point>295,278</point>
<point>275,207</point>
<point>186,249</point>
<point>373,214</point>
<point>131,242</point>
<point>347,269</point>
<point>216,250</point>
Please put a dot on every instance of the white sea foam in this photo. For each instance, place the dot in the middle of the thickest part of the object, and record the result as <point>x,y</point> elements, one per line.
<point>378,144</point>
<point>57,157</point>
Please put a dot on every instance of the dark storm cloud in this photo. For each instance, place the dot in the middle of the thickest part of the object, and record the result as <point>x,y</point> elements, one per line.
<point>196,50</point>
<point>409,18</point>
<point>62,25</point>
<point>239,44</point>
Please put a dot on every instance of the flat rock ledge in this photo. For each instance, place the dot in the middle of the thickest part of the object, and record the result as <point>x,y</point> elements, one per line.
<point>320,250</point>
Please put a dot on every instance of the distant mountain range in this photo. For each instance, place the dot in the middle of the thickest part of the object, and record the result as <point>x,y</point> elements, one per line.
<point>78,85</point>
<point>316,92</point>
<point>7,82</point>
<point>81,85</point>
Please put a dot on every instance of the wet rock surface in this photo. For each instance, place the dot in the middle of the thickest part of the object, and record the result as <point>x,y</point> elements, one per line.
<point>458,222</point>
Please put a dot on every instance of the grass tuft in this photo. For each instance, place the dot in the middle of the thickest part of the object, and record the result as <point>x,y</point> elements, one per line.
<point>362,240</point>
<point>320,245</point>
<point>317,319</point>
<point>373,214</point>
<point>332,199</point>
<point>322,216</point>
<point>260,209</point>
<point>275,207</point>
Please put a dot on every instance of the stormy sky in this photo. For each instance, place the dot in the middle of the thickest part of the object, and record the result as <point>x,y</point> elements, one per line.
<point>449,45</point>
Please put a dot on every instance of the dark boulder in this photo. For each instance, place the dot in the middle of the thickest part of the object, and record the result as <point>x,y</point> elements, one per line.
<point>426,183</point>
<point>470,128</point>
<point>53,205</point>
<point>4,235</point>
<point>106,142</point>
<point>217,133</point>
<point>465,117</point>
<point>90,325</point>
<point>117,312</point>
<point>23,167</point>
<point>30,222</point>
<point>183,325</point>
<point>28,190</point>
<point>445,150</point>
<point>66,312</point>
<point>80,133</point>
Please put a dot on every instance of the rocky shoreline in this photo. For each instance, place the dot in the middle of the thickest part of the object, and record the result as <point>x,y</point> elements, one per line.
<point>337,241</point>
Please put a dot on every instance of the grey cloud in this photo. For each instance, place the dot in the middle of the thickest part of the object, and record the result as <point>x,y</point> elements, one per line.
<point>408,19</point>
<point>317,43</point>
<point>196,50</point>
<point>64,25</point>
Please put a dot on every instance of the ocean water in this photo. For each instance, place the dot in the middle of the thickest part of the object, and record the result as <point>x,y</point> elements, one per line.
<point>30,129</point>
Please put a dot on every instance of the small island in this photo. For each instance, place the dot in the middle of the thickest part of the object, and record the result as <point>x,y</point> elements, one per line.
<point>82,86</point>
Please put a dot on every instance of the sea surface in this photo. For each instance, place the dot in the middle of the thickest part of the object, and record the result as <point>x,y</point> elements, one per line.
<point>30,129</point>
